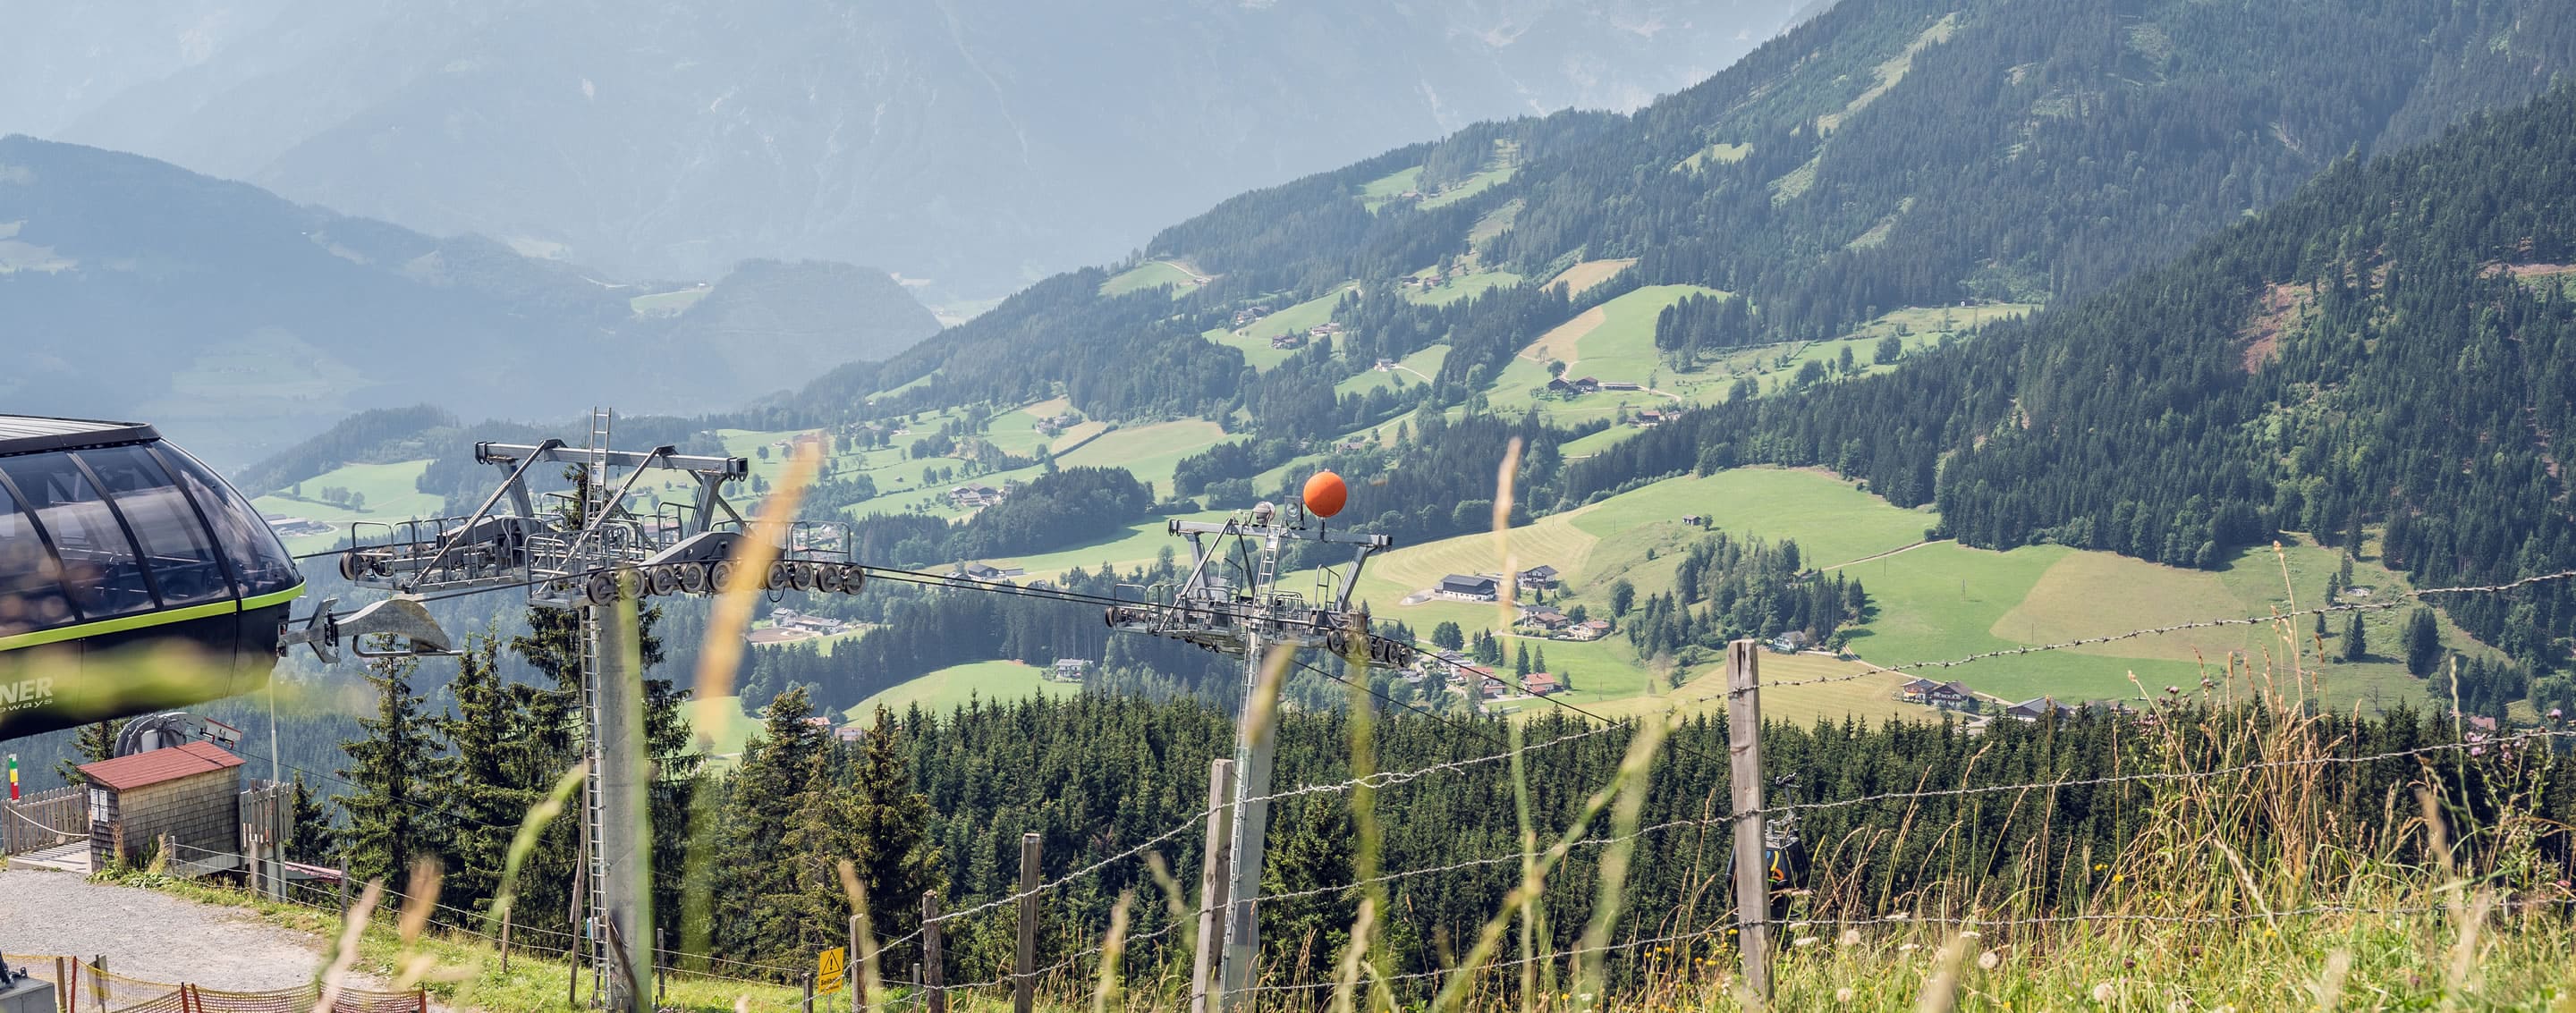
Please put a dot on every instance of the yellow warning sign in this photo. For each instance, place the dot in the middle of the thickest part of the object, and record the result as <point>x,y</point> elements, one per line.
<point>830,969</point>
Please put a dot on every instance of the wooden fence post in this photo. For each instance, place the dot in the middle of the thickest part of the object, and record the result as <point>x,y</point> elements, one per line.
<point>808,1004</point>
<point>933,954</point>
<point>1744,773</point>
<point>659,989</point>
<point>850,978</point>
<point>98,981</point>
<point>344,884</point>
<point>1024,985</point>
<point>1214,876</point>
<point>505,939</point>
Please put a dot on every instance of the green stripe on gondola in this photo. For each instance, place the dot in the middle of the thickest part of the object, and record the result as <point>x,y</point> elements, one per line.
<point>148,620</point>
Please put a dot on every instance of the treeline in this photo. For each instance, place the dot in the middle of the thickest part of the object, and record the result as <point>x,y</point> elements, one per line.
<point>1094,776</point>
<point>1055,509</point>
<point>1727,588</point>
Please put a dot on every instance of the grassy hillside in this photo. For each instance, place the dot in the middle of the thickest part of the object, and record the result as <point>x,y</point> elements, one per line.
<point>950,688</point>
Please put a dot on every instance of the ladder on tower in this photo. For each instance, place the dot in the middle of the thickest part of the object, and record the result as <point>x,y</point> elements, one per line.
<point>594,906</point>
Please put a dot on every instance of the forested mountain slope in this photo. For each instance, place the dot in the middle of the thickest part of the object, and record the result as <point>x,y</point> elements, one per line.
<point>1890,153</point>
<point>2387,360</point>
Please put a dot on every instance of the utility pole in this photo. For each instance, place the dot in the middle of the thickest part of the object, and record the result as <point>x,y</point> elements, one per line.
<point>595,559</point>
<point>1253,751</point>
<point>622,894</point>
<point>1230,602</point>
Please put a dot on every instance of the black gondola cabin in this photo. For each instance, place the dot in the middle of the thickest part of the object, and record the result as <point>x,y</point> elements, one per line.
<point>113,538</point>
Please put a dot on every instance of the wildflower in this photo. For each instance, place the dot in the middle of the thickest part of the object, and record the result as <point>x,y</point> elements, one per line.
<point>2101,867</point>
<point>2103,993</point>
<point>1850,936</point>
<point>1989,960</point>
<point>2119,876</point>
<point>1803,942</point>
<point>1845,995</point>
<point>1898,917</point>
<point>1907,948</point>
<point>1972,934</point>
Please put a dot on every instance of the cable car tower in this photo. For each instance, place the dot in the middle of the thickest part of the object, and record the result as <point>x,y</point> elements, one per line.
<point>1231,602</point>
<point>588,553</point>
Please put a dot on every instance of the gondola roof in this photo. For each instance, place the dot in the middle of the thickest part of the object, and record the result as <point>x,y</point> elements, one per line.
<point>27,434</point>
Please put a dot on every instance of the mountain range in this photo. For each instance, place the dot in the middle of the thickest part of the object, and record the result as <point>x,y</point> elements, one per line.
<point>975,146</point>
<point>241,322</point>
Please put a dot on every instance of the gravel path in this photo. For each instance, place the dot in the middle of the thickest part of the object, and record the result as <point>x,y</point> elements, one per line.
<point>150,935</point>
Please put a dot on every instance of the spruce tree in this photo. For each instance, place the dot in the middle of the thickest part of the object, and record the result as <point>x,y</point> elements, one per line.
<point>874,820</point>
<point>476,778</point>
<point>94,743</point>
<point>2354,647</point>
<point>313,832</point>
<point>390,823</point>
<point>2422,643</point>
<point>755,910</point>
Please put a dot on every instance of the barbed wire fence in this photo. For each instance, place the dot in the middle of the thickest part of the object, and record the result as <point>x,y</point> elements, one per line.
<point>1737,924</point>
<point>1735,930</point>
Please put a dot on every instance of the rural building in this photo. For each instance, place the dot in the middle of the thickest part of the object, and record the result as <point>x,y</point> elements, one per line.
<point>1695,520</point>
<point>1545,617</point>
<point>2033,709</point>
<point>1470,588</point>
<point>1587,385</point>
<point>1621,385</point>
<point>1538,578</point>
<point>1649,418</point>
<point>984,571</point>
<point>1791,642</point>
<point>187,792</point>
<point>1937,694</point>
<point>1559,386</point>
<point>971,496</point>
<point>818,625</point>
<point>851,733</point>
<point>772,636</point>
<point>1068,669</point>
<point>1591,629</point>
<point>1542,684</point>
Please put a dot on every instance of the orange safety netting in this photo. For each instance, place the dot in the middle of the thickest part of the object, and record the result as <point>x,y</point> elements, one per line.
<point>83,988</point>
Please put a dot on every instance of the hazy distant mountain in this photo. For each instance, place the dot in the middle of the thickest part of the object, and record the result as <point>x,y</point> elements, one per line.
<point>977,145</point>
<point>242,322</point>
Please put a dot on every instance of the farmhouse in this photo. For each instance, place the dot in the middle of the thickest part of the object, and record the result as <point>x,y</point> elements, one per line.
<point>1538,578</point>
<point>1590,629</point>
<point>1291,339</point>
<point>985,571</point>
<point>1542,684</point>
<point>1545,617</point>
<point>976,495</point>
<point>1068,669</point>
<point>1937,694</point>
<point>1791,642</point>
<point>1462,587</point>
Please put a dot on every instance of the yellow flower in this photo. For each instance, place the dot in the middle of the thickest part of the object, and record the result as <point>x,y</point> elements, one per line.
<point>2099,867</point>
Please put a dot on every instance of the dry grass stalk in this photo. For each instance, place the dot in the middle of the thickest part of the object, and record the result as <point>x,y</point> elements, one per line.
<point>344,953</point>
<point>1112,946</point>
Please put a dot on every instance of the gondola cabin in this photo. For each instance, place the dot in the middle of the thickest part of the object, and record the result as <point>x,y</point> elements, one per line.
<point>113,541</point>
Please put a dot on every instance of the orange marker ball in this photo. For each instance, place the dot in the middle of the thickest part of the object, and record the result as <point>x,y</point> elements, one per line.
<point>1325,494</point>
